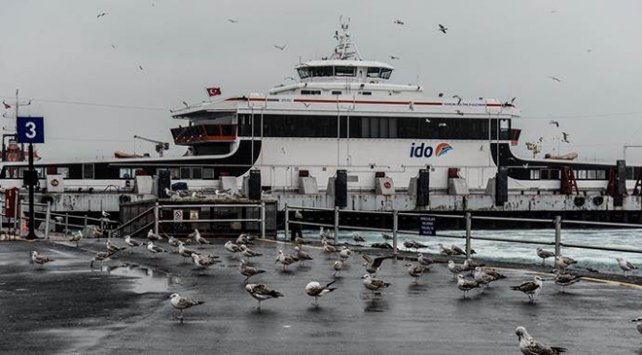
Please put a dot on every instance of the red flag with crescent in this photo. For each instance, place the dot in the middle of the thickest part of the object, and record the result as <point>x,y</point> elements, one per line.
<point>213,91</point>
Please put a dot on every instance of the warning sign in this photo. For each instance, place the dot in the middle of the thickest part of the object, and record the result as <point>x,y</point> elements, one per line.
<point>193,215</point>
<point>178,215</point>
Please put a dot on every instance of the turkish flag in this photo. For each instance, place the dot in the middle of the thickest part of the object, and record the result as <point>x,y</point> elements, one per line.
<point>213,91</point>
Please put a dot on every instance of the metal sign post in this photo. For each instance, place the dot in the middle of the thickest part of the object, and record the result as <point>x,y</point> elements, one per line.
<point>31,130</point>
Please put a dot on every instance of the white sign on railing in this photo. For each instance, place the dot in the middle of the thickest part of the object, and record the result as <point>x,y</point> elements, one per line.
<point>178,215</point>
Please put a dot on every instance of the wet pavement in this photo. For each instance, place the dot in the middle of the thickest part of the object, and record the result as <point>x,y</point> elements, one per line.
<point>66,308</point>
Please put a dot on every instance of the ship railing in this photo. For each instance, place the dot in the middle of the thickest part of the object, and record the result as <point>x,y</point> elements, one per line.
<point>392,227</point>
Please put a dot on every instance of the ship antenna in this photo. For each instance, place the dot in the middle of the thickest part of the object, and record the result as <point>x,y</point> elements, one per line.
<point>345,49</point>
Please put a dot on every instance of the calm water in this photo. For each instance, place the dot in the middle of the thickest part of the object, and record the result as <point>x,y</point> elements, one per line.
<point>603,260</point>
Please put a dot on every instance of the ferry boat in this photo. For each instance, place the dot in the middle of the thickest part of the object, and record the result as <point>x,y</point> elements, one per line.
<point>344,113</point>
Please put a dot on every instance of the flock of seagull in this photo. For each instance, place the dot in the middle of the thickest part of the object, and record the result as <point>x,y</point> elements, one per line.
<point>469,275</point>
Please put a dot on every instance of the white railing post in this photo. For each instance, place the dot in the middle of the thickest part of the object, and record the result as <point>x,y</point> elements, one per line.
<point>19,219</point>
<point>469,224</point>
<point>66,223</point>
<point>287,222</point>
<point>156,216</point>
<point>262,219</point>
<point>395,229</point>
<point>558,236</point>
<point>47,220</point>
<point>336,222</point>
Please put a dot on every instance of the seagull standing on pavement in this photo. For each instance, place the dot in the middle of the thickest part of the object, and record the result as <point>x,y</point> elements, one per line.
<point>455,268</point>
<point>232,248</point>
<point>249,271</point>
<point>76,237</point>
<point>262,292</point>
<point>204,261</point>
<point>338,266</point>
<point>465,284</point>
<point>566,279</point>
<point>415,271</point>
<point>545,254</point>
<point>153,248</point>
<point>530,288</point>
<point>39,259</point>
<point>374,284</point>
<point>285,260</point>
<point>302,254</point>
<point>101,256</point>
<point>530,346</point>
<point>112,248</point>
<point>153,236</point>
<point>424,260</point>
<point>563,262</point>
<point>247,252</point>
<point>181,303</point>
<point>316,290</point>
<point>199,239</point>
<point>358,238</point>
<point>184,252</point>
<point>445,250</point>
<point>625,265</point>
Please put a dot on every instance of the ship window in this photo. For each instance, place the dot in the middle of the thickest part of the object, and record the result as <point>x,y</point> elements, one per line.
<point>601,174</point>
<point>63,171</point>
<point>197,173</point>
<point>365,127</point>
<point>88,171</point>
<point>310,92</point>
<point>385,73</point>
<point>126,173</point>
<point>535,174</point>
<point>373,72</point>
<point>337,93</point>
<point>580,174</point>
<point>383,127</point>
<point>322,71</point>
<point>208,173</point>
<point>185,173</point>
<point>591,174</point>
<point>374,127</point>
<point>345,71</point>
<point>392,127</point>
<point>175,173</point>
<point>353,178</point>
<point>303,73</point>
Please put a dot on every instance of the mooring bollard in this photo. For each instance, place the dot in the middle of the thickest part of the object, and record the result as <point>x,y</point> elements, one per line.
<point>469,225</point>
<point>287,222</point>
<point>395,230</point>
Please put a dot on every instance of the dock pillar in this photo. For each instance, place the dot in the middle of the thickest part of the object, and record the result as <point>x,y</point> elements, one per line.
<point>254,185</point>
<point>423,188</point>
<point>501,186</point>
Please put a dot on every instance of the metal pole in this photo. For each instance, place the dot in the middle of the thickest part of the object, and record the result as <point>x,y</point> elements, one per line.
<point>19,219</point>
<point>395,229</point>
<point>262,219</point>
<point>156,214</point>
<point>336,222</point>
<point>33,179</point>
<point>66,223</point>
<point>16,213</point>
<point>47,220</point>
<point>558,235</point>
<point>287,222</point>
<point>469,224</point>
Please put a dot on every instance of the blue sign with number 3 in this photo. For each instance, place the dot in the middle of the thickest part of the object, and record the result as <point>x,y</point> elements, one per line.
<point>31,129</point>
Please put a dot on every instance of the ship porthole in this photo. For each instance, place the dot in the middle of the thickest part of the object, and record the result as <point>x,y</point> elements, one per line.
<point>124,199</point>
<point>579,201</point>
<point>598,200</point>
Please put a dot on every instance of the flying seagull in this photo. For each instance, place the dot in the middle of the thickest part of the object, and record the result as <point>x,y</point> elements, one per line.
<point>262,292</point>
<point>181,303</point>
<point>393,57</point>
<point>530,346</point>
<point>373,265</point>
<point>280,47</point>
<point>530,288</point>
<point>565,137</point>
<point>101,14</point>
<point>186,104</point>
<point>442,28</point>
<point>231,20</point>
<point>316,290</point>
<point>556,123</point>
<point>625,265</point>
<point>398,22</point>
<point>555,79</point>
<point>140,67</point>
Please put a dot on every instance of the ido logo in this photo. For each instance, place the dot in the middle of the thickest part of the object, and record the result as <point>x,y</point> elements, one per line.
<point>426,151</point>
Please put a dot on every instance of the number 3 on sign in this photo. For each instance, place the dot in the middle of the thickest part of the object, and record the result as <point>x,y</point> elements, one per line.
<point>31,130</point>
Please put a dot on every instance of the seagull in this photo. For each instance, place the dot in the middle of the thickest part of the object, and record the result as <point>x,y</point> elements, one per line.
<point>555,79</point>
<point>381,246</point>
<point>386,236</point>
<point>415,271</point>
<point>285,260</point>
<point>466,284</point>
<point>411,244</point>
<point>442,28</point>
<point>76,237</point>
<point>566,279</point>
<point>153,236</point>
<point>297,213</point>
<point>316,290</point>
<point>244,239</point>
<point>199,239</point>
<point>345,253</point>
<point>565,137</point>
<point>280,47</point>
<point>458,99</point>
<point>423,260</point>
<point>247,252</point>
<point>249,271</point>
<point>445,250</point>
<point>398,22</point>
<point>374,284</point>
<point>358,238</point>
<point>564,261</point>
<point>36,258</point>
<point>153,248</point>
<point>231,247</point>
<point>484,278</point>
<point>459,251</point>
<point>181,303</point>
<point>530,346</point>
<point>113,247</point>
<point>172,241</point>
<point>204,261</point>
<point>553,122</point>
<point>338,266</point>
<point>470,264</point>
<point>625,265</point>
<point>545,254</point>
<point>140,67</point>
<point>184,252</point>
<point>530,288</point>
<point>392,57</point>
<point>638,324</point>
<point>455,268</point>
<point>231,20</point>
<point>101,14</point>
<point>373,265</point>
<point>186,105</point>
<point>299,240</point>
<point>132,242</point>
<point>262,292</point>
<point>328,249</point>
<point>100,256</point>
<point>105,214</point>
<point>302,254</point>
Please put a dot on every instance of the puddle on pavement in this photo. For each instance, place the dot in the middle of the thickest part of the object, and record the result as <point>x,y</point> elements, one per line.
<point>144,279</point>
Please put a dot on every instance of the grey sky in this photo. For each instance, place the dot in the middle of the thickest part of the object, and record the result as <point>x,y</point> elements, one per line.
<point>496,48</point>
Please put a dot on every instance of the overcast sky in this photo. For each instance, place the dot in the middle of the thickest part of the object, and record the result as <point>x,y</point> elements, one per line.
<point>61,51</point>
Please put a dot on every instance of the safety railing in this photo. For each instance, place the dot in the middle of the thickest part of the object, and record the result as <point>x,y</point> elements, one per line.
<point>468,218</point>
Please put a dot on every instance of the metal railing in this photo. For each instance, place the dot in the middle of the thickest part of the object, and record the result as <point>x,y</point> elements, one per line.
<point>468,218</point>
